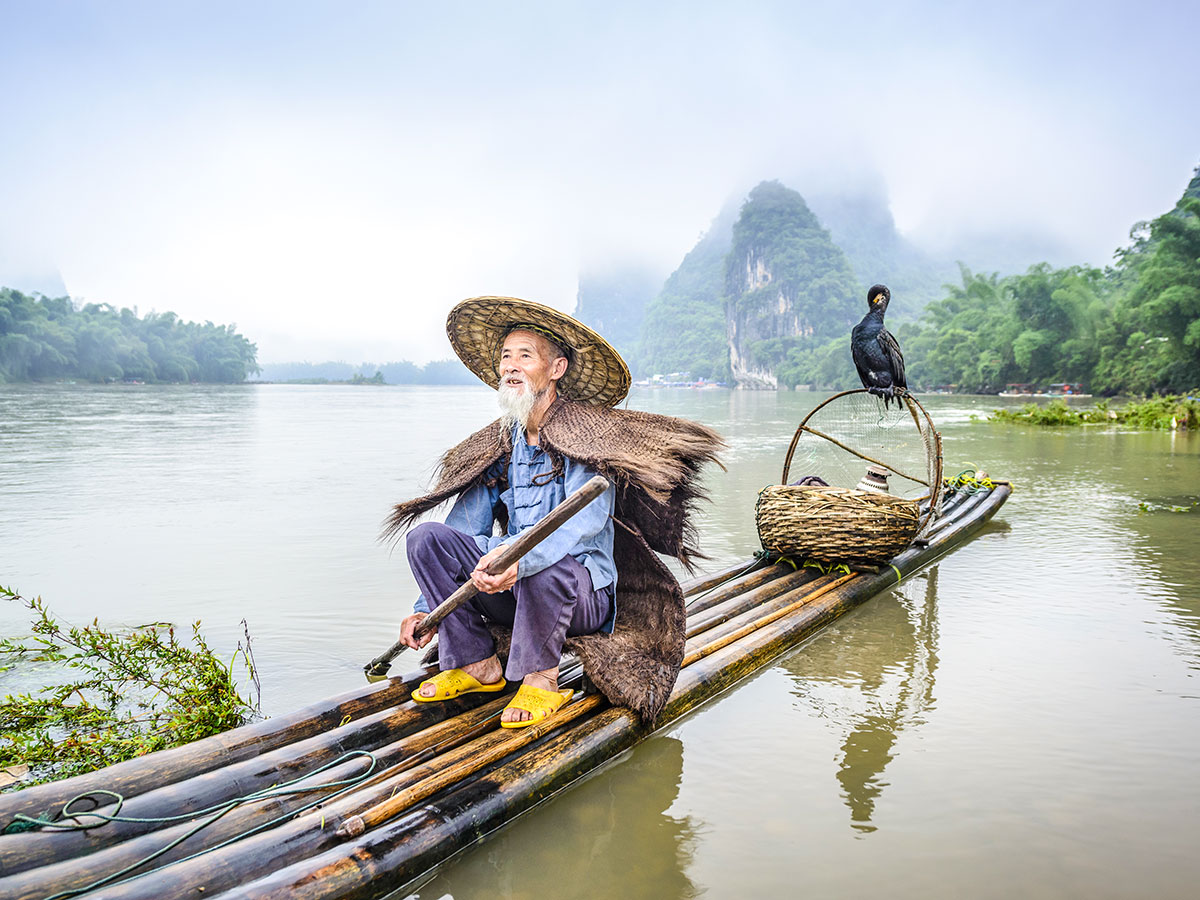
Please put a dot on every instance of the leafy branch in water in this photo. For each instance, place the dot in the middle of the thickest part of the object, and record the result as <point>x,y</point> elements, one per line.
<point>1150,506</point>
<point>1165,413</point>
<point>121,694</point>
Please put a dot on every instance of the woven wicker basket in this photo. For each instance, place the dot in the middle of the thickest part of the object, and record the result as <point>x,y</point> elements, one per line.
<point>834,524</point>
<point>828,523</point>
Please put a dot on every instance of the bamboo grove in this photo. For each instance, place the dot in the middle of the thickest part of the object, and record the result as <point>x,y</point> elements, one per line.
<point>50,339</point>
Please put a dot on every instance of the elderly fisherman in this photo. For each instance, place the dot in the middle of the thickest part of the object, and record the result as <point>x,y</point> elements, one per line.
<point>557,381</point>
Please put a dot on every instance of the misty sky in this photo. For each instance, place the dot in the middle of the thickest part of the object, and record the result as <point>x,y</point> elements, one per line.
<point>332,177</point>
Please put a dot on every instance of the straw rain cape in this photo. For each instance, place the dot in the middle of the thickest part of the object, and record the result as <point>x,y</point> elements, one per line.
<point>653,461</point>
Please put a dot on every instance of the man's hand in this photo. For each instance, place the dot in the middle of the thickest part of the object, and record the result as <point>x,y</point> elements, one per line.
<point>408,629</point>
<point>493,584</point>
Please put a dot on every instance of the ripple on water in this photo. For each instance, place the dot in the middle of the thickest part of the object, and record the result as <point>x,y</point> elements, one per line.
<point>1032,697</point>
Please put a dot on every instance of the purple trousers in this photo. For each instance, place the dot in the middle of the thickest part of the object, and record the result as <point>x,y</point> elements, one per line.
<point>543,608</point>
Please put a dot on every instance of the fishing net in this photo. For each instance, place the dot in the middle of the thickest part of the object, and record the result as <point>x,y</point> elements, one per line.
<point>852,430</point>
<point>860,481</point>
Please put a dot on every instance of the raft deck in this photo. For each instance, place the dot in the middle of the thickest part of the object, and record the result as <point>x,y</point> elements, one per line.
<point>439,777</point>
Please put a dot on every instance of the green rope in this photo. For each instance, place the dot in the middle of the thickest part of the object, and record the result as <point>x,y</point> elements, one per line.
<point>967,482</point>
<point>287,788</point>
<point>828,568</point>
<point>15,827</point>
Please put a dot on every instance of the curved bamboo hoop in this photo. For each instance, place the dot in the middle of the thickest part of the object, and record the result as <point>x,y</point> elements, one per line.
<point>912,405</point>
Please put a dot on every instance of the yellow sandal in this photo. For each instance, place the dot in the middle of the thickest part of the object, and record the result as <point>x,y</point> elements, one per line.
<point>538,703</point>
<point>454,683</point>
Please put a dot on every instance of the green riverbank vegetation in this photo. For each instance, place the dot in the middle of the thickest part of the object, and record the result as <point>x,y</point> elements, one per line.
<point>113,695</point>
<point>435,372</point>
<point>50,339</point>
<point>1169,412</point>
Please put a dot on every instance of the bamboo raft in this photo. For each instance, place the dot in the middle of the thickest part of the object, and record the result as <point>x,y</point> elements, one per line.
<point>444,775</point>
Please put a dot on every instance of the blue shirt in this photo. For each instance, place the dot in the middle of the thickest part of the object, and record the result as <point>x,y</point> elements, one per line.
<point>587,536</point>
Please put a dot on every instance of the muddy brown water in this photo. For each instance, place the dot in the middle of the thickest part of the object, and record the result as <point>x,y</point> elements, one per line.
<point>1020,719</point>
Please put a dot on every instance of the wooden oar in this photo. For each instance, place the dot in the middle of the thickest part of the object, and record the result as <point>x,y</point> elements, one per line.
<point>530,538</point>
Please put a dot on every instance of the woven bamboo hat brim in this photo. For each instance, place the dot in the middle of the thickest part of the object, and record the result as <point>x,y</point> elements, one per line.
<point>477,328</point>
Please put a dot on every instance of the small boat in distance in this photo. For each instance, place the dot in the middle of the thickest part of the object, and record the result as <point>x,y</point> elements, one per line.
<point>1058,389</point>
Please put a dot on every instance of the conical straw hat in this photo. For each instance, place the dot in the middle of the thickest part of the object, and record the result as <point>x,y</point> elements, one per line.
<point>477,328</point>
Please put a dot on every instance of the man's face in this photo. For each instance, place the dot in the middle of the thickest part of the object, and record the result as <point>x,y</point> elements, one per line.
<point>526,364</point>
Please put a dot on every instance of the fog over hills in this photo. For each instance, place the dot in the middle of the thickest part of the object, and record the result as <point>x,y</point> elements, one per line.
<point>678,324</point>
<point>31,277</point>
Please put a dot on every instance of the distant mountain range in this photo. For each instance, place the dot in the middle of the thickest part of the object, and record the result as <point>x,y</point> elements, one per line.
<point>773,274</point>
<point>31,279</point>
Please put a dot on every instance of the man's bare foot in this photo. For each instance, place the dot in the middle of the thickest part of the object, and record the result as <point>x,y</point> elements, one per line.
<point>547,680</point>
<point>486,671</point>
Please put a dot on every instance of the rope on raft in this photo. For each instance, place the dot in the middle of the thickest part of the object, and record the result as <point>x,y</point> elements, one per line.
<point>22,822</point>
<point>967,482</point>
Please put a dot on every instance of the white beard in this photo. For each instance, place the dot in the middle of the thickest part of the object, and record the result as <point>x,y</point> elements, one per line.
<point>516,404</point>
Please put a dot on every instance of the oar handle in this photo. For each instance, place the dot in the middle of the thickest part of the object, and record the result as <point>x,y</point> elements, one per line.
<point>528,539</point>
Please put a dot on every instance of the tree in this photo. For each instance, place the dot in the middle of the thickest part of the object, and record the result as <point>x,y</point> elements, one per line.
<point>48,338</point>
<point>1153,344</point>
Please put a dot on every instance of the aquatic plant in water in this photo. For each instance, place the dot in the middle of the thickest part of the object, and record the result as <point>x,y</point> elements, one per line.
<point>121,695</point>
<point>1171,412</point>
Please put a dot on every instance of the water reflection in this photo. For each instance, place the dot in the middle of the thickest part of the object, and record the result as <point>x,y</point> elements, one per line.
<point>581,844</point>
<point>1164,511</point>
<point>888,657</point>
<point>1057,654</point>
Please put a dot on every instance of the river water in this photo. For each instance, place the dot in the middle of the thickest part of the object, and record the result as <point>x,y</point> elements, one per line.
<point>1021,719</point>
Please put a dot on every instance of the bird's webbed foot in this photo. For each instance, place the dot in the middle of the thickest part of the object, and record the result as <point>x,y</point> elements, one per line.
<point>888,394</point>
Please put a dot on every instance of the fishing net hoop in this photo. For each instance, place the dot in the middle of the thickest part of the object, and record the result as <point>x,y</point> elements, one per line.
<point>831,523</point>
<point>934,447</point>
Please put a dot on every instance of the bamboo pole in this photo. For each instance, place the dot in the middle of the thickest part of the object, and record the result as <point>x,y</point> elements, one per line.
<point>723,612</point>
<point>458,765</point>
<point>956,513</point>
<point>741,631</point>
<point>138,776</point>
<point>38,848</point>
<point>704,582</point>
<point>146,773</point>
<point>73,872</point>
<point>320,830</point>
<point>383,859</point>
<point>513,741</point>
<point>528,539</point>
<point>76,859</point>
<point>462,744</point>
<point>701,602</point>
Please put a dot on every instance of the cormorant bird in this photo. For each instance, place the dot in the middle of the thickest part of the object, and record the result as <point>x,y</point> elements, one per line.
<point>876,354</point>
